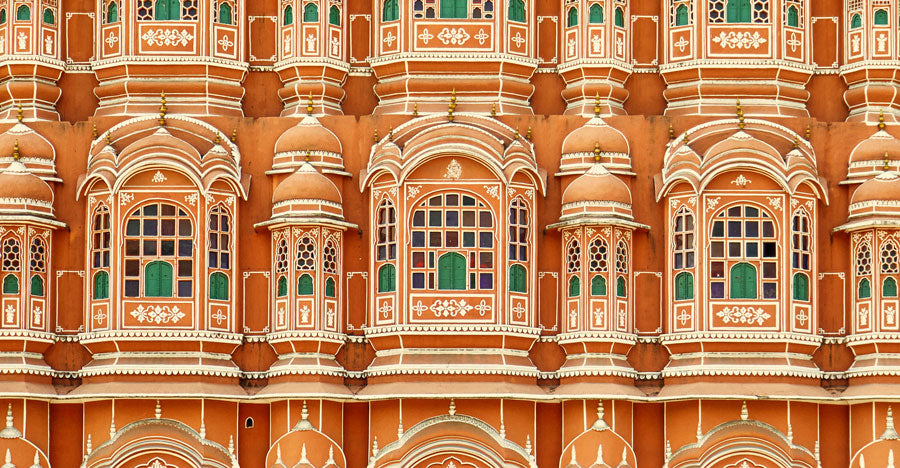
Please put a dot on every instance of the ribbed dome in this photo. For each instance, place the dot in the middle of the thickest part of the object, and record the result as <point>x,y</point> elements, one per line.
<point>597,185</point>
<point>885,187</point>
<point>875,148</point>
<point>306,184</point>
<point>307,135</point>
<point>17,182</point>
<point>595,134</point>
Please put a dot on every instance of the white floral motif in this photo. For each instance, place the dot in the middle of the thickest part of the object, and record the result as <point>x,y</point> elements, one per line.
<point>412,190</point>
<point>519,310</point>
<point>389,39</point>
<point>740,40</point>
<point>774,202</point>
<point>280,314</point>
<point>125,198</point>
<point>167,37</point>
<point>329,315</point>
<point>741,181</point>
<point>683,317</point>
<point>451,308</point>
<point>10,314</point>
<point>802,318</point>
<point>747,315</point>
<point>225,42</point>
<point>863,317</point>
<point>385,309</point>
<point>890,315</point>
<point>518,39</point>
<point>712,203</point>
<point>158,177</point>
<point>681,44</point>
<point>36,315</point>
<point>157,314</point>
<point>425,36</point>
<point>693,201</point>
<point>492,190</point>
<point>455,36</point>
<point>192,198</point>
<point>598,317</point>
<point>111,40</point>
<point>220,317</point>
<point>454,170</point>
<point>304,314</point>
<point>99,317</point>
<point>482,36</point>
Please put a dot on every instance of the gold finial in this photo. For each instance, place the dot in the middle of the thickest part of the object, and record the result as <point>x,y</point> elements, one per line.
<point>234,136</point>
<point>309,104</point>
<point>306,158</point>
<point>528,134</point>
<point>375,136</point>
<point>94,131</point>
<point>597,104</point>
<point>516,134</point>
<point>687,138</point>
<point>597,152</point>
<point>452,107</point>
<point>881,120</point>
<point>415,109</point>
<point>19,114</point>
<point>493,109</point>
<point>162,109</point>
<point>671,132</point>
<point>796,142</point>
<point>740,114</point>
<point>108,138</point>
<point>391,133</point>
<point>16,150</point>
<point>887,162</point>
<point>218,139</point>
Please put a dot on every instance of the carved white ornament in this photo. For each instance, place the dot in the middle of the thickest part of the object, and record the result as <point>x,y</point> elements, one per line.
<point>192,198</point>
<point>157,314</point>
<point>863,316</point>
<point>385,309</point>
<point>681,44</point>
<point>304,313</point>
<point>482,36</point>
<point>775,202</point>
<point>226,43</point>
<point>740,40</point>
<point>36,315</point>
<point>890,315</point>
<point>454,170</point>
<point>683,317</point>
<point>220,317</point>
<point>519,310</point>
<point>453,308</point>
<point>747,315</point>
<point>425,36</point>
<point>167,37</point>
<point>712,203</point>
<point>158,177</point>
<point>125,198</point>
<point>598,317</point>
<point>455,36</point>
<point>518,39</point>
<point>112,39</point>
<point>492,190</point>
<point>99,316</point>
<point>412,191</point>
<point>741,181</point>
<point>10,314</point>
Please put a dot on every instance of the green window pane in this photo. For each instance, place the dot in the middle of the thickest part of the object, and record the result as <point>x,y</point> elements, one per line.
<point>598,285</point>
<point>881,17</point>
<point>793,18</point>
<point>334,15</point>
<point>889,287</point>
<point>37,286</point>
<point>391,11</point>
<point>516,10</point>
<point>574,286</point>
<point>158,279</point>
<point>218,286</point>
<point>387,278</point>
<point>101,285</point>
<point>452,271</point>
<point>3,16</point>
<point>684,286</point>
<point>517,279</point>
<point>11,284</point>
<point>282,287</point>
<point>737,11</point>
<point>23,13</point>
<point>112,13</point>
<point>310,13</point>
<point>743,281</point>
<point>573,17</point>
<point>865,289</point>
<point>305,285</point>
<point>329,288</point>
<point>800,287</point>
<point>454,9</point>
<point>856,21</point>
<point>288,15</point>
<point>681,15</point>
<point>48,16</point>
<point>225,13</point>
<point>595,16</point>
<point>620,17</point>
<point>620,287</point>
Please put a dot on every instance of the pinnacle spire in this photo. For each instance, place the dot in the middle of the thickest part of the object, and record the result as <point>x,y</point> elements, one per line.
<point>890,433</point>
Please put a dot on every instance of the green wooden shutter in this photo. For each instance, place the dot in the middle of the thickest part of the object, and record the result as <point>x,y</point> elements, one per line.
<point>218,286</point>
<point>387,278</point>
<point>48,16</point>
<point>743,281</point>
<point>516,11</point>
<point>596,14</point>
<point>865,289</point>
<point>329,287</point>
<point>793,19</point>
<point>305,285</point>
<point>573,17</point>
<point>462,9</point>
<point>453,9</point>
<point>684,286</point>
<point>288,15</point>
<point>856,21</point>
<point>282,287</point>
<point>23,13</point>
<point>101,285</point>
<point>620,17</point>
<point>889,287</point>
<point>391,11</point>
<point>800,287</point>
<point>3,16</point>
<point>11,284</point>
<point>334,15</point>
<point>620,287</point>
<point>598,285</point>
<point>112,13</point>
<point>517,281</point>
<point>225,13</point>
<point>161,10</point>
<point>310,13</point>
<point>574,287</point>
<point>881,17</point>
<point>158,279</point>
<point>681,15</point>
<point>37,286</point>
<point>452,271</point>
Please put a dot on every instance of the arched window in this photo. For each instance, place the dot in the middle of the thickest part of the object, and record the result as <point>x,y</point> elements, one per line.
<point>684,286</point>
<point>387,278</point>
<point>890,264</point>
<point>224,13</point>
<point>743,281</point>
<point>219,232</point>
<point>793,17</point>
<point>516,11</point>
<point>572,18</point>
<point>3,16</point>
<point>167,10</point>
<point>10,284</point>
<point>23,13</point>
<point>386,232</point>
<point>620,17</point>
<point>48,16</point>
<point>800,242</point>
<point>596,14</point>
<point>863,260</point>
<point>101,285</point>
<point>598,285</point>
<point>856,21</point>
<point>683,238</point>
<point>737,11</point>
<point>681,15</point>
<point>574,286</point>
<point>454,8</point>
<point>38,264</point>
<point>218,286</point>
<point>100,238</point>
<point>306,255</point>
<point>289,15</point>
<point>800,287</point>
<point>518,231</point>
<point>329,287</point>
<point>881,18</point>
<point>889,287</point>
<point>865,289</point>
<point>330,258</point>
<point>518,281</point>
<point>158,279</point>
<point>743,234</point>
<point>456,222</point>
<point>621,268</point>
<point>310,13</point>
<point>112,12</point>
<point>37,286</point>
<point>334,15</point>
<point>390,11</point>
<point>154,232</point>
<point>621,289</point>
<point>282,286</point>
<point>305,285</point>
<point>452,271</point>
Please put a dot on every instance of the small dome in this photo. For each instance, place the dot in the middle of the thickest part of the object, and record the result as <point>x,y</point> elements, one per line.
<point>17,182</point>
<point>597,185</point>
<point>885,187</point>
<point>595,134</point>
<point>307,135</point>
<point>875,148</point>
<point>306,184</point>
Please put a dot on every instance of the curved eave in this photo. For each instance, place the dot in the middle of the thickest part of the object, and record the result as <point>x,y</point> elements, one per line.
<point>597,221</point>
<point>283,221</point>
<point>868,223</point>
<point>18,217</point>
